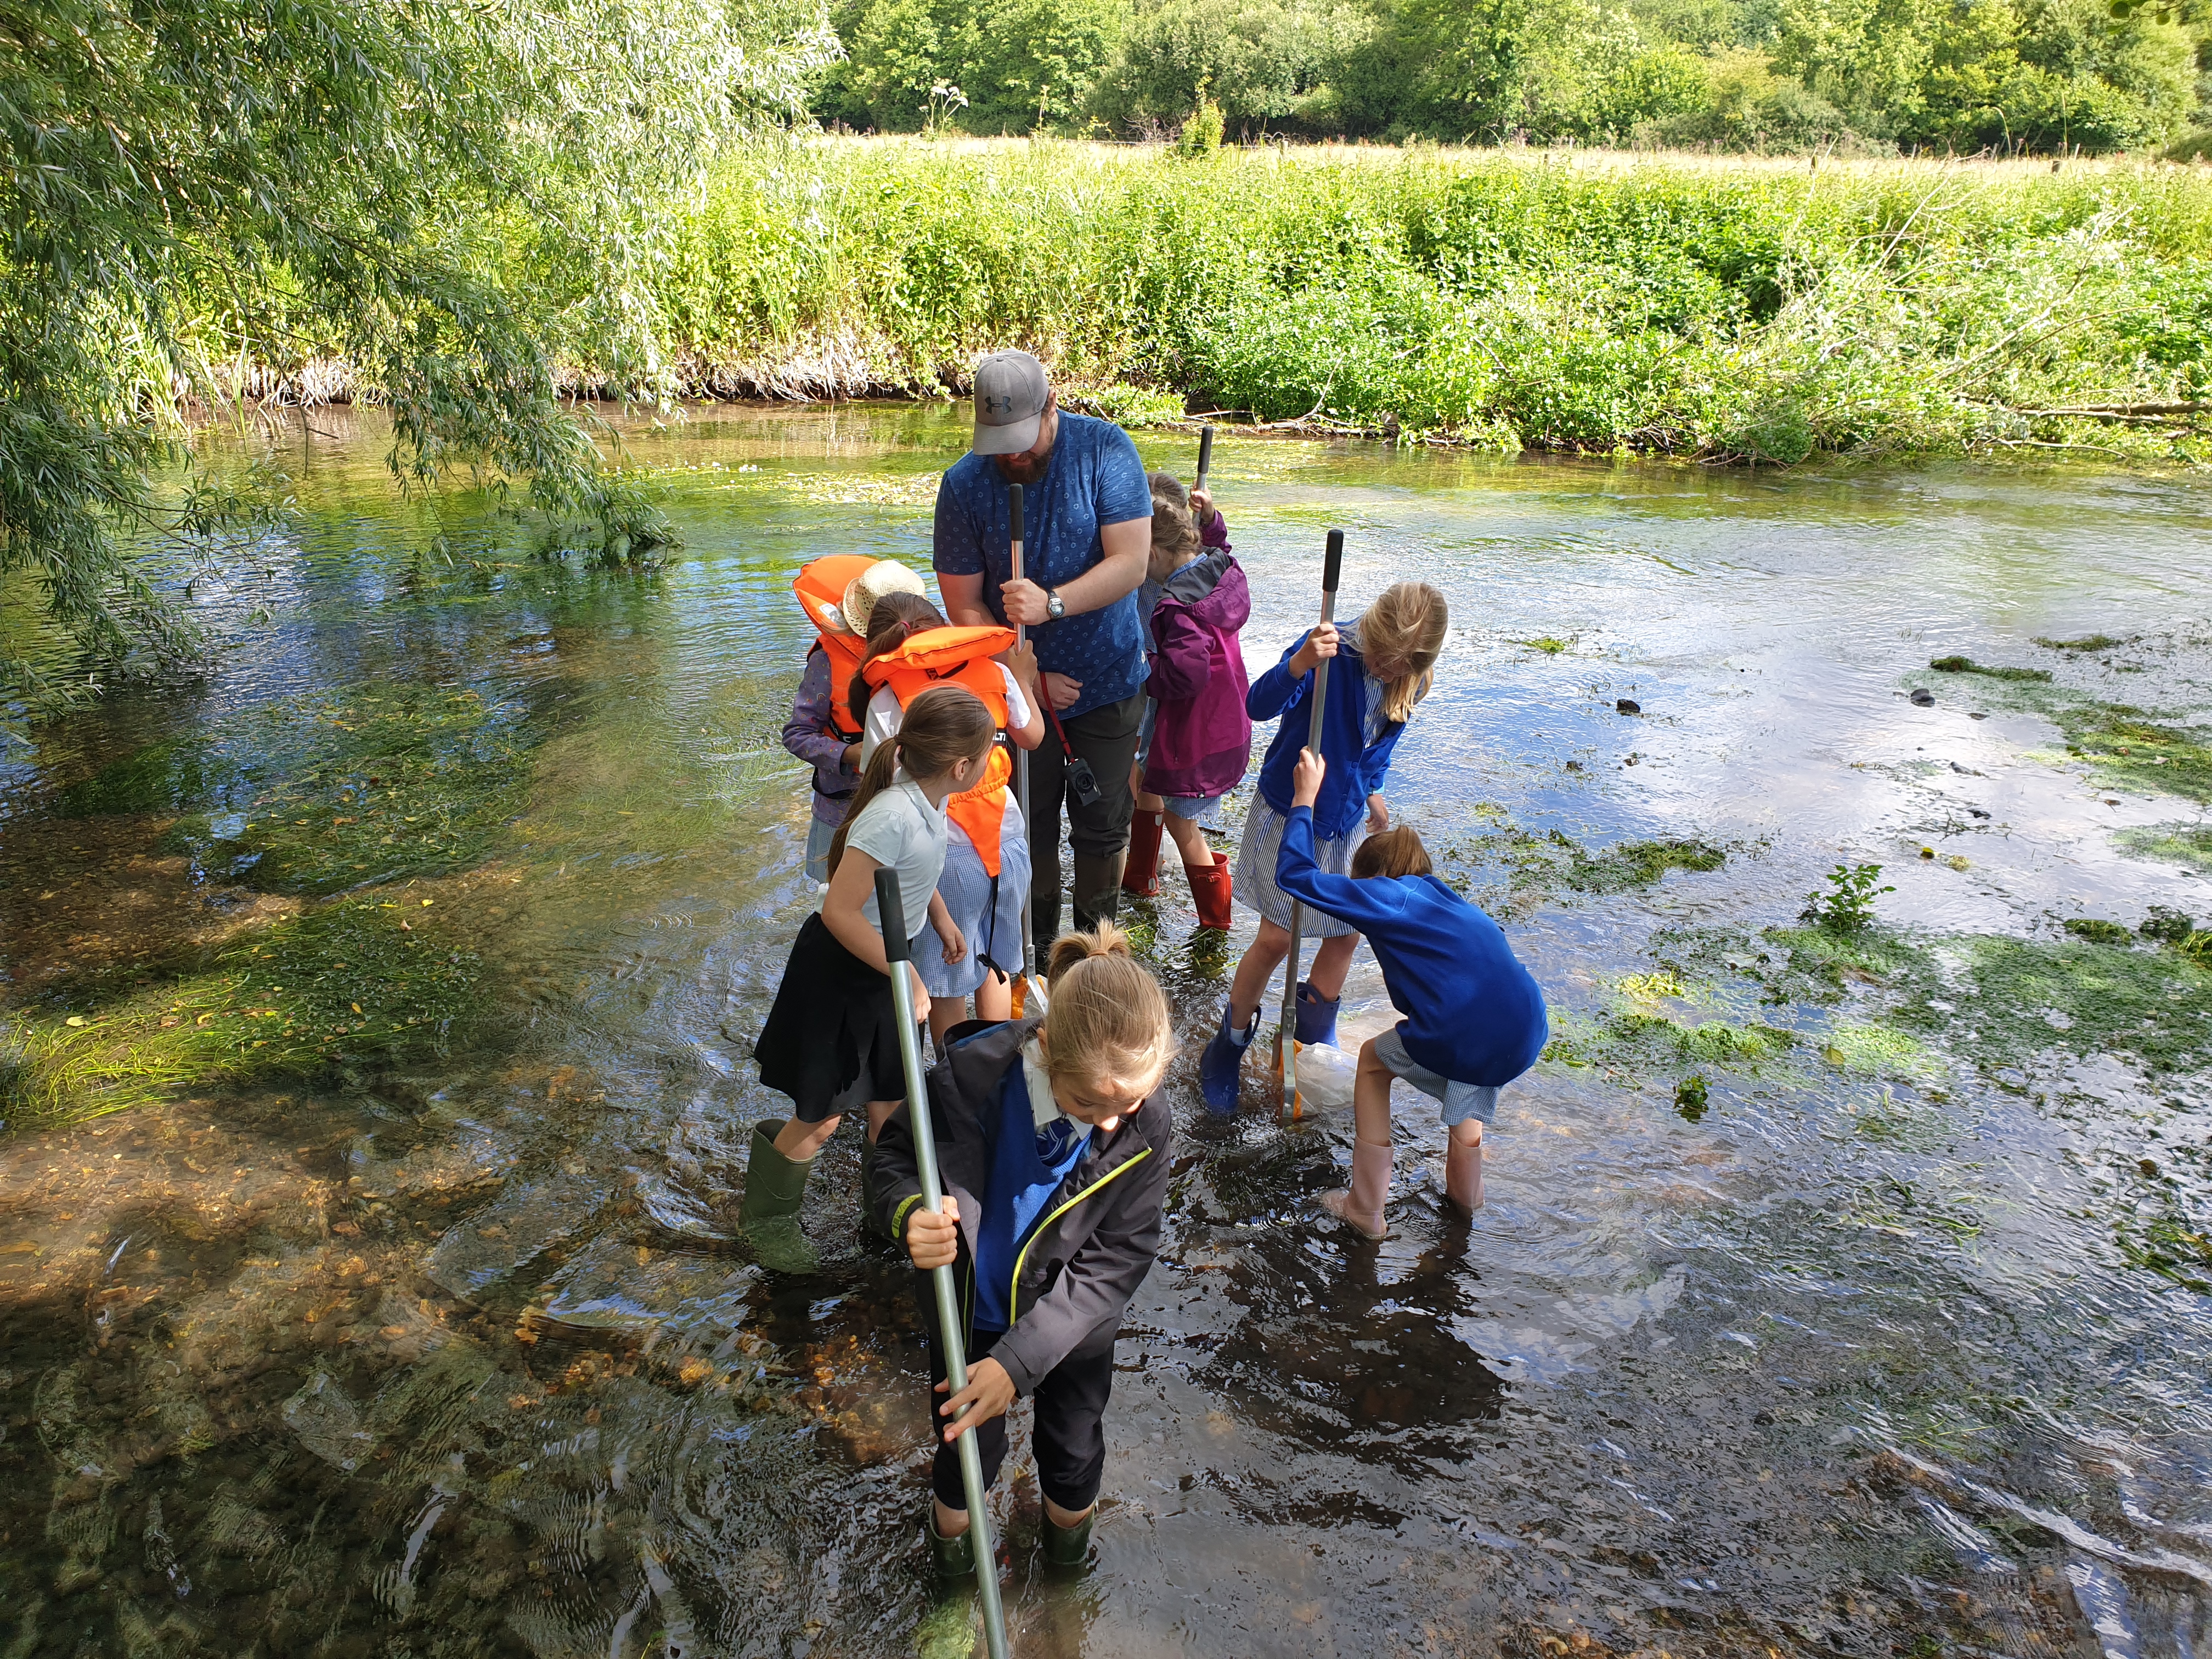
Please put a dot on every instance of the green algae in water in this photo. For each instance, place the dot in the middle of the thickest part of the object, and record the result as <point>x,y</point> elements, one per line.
<point>2008,1000</point>
<point>360,981</point>
<point>1811,964</point>
<point>2098,931</point>
<point>2128,747</point>
<point>1968,665</point>
<point>2186,844</point>
<point>327,791</point>
<point>2087,643</point>
<point>1538,867</point>
<point>1879,1050</point>
<point>1619,1041</point>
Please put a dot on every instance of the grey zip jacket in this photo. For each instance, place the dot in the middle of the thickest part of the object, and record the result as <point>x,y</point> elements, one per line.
<point>1100,1231</point>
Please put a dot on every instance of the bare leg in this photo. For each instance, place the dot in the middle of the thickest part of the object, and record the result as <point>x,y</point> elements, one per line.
<point>799,1141</point>
<point>1331,962</point>
<point>1145,803</point>
<point>1064,1518</point>
<point>1249,989</point>
<point>1361,1204</point>
<point>994,998</point>
<point>1371,1098</point>
<point>879,1113</point>
<point>951,1523</point>
<point>1189,841</point>
<point>1463,1164</point>
<point>944,1013</point>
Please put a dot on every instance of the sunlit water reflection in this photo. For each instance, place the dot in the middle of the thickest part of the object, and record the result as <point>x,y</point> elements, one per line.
<point>459,1356</point>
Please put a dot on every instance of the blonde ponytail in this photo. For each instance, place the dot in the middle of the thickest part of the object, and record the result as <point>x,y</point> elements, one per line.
<point>1108,1018</point>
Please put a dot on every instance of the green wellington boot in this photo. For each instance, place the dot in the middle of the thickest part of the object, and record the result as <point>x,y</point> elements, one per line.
<point>1069,1547</point>
<point>953,1558</point>
<point>774,1185</point>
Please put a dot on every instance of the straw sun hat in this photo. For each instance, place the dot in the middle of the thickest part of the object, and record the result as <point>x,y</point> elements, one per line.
<point>884,576</point>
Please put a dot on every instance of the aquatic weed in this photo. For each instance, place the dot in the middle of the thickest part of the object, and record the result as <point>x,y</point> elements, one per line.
<point>1538,867</point>
<point>2127,746</point>
<point>2087,643</point>
<point>1848,905</point>
<point>330,791</point>
<point>356,981</point>
<point>2098,932</point>
<point>1968,665</point>
<point>2186,844</point>
<point>2008,1000</point>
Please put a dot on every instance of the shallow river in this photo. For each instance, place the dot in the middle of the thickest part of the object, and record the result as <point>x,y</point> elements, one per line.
<point>1841,1299</point>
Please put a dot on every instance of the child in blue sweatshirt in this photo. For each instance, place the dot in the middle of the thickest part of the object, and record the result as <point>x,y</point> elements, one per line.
<point>1383,664</point>
<point>1474,1018</point>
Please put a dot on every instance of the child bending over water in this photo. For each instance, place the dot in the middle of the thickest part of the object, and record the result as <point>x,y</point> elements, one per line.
<point>1474,1017</point>
<point>831,1041</point>
<point>1052,1143</point>
<point>1384,664</point>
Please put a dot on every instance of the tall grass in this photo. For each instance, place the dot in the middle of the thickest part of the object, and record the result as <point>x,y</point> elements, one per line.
<point>1738,308</point>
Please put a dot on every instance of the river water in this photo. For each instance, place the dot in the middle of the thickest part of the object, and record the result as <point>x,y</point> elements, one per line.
<point>1840,1340</point>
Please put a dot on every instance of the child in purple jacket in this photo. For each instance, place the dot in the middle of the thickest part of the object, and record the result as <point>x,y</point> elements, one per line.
<point>1200,740</point>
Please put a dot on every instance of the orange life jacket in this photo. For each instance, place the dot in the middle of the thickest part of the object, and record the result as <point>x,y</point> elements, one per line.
<point>959,656</point>
<point>821,589</point>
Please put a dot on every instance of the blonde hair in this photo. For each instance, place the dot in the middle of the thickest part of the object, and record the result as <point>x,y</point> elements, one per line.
<point>946,725</point>
<point>1406,622</point>
<point>1108,1016</point>
<point>1397,851</point>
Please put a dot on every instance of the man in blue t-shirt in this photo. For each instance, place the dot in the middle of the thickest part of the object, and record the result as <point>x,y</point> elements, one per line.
<point>1087,533</point>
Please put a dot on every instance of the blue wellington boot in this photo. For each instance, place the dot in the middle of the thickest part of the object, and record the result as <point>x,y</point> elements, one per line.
<point>1221,1065</point>
<point>1317,1015</point>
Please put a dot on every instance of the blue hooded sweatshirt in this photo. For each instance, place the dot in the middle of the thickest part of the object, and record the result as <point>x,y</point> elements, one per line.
<point>1474,1014</point>
<point>1355,771</point>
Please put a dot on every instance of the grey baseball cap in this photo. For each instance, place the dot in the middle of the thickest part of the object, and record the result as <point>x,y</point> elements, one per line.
<point>1010,399</point>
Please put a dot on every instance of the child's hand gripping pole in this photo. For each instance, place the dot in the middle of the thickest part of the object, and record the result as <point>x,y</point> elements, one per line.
<point>1286,1045</point>
<point>1026,986</point>
<point>950,1328</point>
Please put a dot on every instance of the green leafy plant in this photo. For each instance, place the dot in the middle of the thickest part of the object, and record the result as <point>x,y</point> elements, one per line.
<point>1848,905</point>
<point>1201,128</point>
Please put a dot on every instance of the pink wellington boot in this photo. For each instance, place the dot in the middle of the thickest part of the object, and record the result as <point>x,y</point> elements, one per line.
<point>1361,1206</point>
<point>1463,1174</point>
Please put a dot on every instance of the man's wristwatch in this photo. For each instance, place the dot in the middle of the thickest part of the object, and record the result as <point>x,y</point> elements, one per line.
<point>1053,609</point>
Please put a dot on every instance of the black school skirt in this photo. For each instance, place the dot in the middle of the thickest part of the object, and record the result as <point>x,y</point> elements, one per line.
<point>831,1040</point>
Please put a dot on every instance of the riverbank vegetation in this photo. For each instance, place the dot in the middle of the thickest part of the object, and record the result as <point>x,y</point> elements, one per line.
<point>1998,76</point>
<point>1756,312</point>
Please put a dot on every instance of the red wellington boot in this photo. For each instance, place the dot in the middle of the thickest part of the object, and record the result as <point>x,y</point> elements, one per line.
<point>1140,876</point>
<point>1210,887</point>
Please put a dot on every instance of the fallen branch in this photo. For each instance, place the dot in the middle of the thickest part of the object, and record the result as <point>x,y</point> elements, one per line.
<point>2118,411</point>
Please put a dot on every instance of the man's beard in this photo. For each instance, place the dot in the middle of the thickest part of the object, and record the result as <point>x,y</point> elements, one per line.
<point>1026,471</point>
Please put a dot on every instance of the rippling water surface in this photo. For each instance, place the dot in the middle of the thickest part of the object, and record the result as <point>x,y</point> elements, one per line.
<point>1804,1317</point>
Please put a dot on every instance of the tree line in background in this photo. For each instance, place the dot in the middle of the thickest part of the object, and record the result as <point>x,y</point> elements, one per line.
<point>1959,75</point>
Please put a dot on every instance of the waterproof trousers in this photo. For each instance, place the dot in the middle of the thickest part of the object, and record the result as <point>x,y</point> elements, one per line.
<point>1071,1435</point>
<point>1098,832</point>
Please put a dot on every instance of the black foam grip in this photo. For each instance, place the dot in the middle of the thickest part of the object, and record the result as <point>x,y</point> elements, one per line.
<point>1204,450</point>
<point>889,907</point>
<point>1014,500</point>
<point>1333,564</point>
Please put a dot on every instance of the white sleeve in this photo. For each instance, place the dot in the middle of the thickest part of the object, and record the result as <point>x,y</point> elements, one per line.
<point>1018,706</point>
<point>884,716</point>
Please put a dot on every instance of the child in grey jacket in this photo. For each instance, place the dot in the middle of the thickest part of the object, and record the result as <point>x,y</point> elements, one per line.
<point>1052,1144</point>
